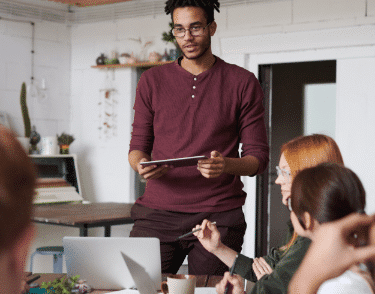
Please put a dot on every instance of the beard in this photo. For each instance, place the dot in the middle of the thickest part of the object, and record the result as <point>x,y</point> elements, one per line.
<point>205,46</point>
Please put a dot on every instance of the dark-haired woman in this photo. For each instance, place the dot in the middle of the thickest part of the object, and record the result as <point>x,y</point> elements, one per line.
<point>324,194</point>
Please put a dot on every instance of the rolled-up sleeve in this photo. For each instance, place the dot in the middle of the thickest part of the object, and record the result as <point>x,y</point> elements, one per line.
<point>142,138</point>
<point>252,129</point>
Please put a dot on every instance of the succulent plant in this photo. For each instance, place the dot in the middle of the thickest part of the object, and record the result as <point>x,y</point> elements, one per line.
<point>62,285</point>
<point>25,111</point>
<point>65,139</point>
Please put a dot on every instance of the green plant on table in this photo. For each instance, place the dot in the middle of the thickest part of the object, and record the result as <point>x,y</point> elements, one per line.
<point>62,285</point>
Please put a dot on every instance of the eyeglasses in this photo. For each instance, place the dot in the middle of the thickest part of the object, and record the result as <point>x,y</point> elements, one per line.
<point>194,31</point>
<point>285,173</point>
<point>290,204</point>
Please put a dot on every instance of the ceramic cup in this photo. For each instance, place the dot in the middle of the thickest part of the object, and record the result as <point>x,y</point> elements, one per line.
<point>179,284</point>
<point>49,146</point>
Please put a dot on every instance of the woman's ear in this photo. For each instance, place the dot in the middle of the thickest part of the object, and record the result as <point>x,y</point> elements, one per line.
<point>308,221</point>
<point>311,224</point>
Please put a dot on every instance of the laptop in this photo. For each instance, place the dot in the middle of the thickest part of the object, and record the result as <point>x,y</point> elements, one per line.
<point>115,263</point>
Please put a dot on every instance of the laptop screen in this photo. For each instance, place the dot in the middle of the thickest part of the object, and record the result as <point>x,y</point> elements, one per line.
<point>111,262</point>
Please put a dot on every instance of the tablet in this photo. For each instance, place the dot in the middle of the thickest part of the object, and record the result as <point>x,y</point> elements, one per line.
<point>176,162</point>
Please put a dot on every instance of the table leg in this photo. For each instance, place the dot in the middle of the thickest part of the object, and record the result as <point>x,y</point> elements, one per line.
<point>107,231</point>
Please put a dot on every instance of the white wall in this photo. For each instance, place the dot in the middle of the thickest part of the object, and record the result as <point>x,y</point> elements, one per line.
<point>52,62</point>
<point>355,119</point>
<point>296,29</point>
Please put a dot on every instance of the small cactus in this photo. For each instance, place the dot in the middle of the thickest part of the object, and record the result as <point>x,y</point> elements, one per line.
<point>25,111</point>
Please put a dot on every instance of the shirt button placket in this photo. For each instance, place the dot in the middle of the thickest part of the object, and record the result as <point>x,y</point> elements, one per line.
<point>193,96</point>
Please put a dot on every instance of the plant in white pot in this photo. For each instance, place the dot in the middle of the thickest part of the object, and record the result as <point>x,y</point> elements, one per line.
<point>25,141</point>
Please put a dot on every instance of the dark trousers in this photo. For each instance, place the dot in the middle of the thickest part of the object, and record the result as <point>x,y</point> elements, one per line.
<point>167,226</point>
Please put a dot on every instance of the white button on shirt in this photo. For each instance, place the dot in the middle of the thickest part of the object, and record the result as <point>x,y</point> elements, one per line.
<point>194,87</point>
<point>195,79</point>
<point>192,96</point>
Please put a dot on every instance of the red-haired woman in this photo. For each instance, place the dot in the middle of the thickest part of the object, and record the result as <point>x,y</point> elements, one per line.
<point>273,272</point>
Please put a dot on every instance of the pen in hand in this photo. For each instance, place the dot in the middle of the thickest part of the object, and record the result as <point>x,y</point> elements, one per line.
<point>231,272</point>
<point>192,232</point>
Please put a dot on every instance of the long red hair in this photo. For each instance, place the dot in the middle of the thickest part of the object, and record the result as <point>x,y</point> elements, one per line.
<point>309,151</point>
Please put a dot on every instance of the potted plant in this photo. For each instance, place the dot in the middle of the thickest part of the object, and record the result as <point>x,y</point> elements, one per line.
<point>169,38</point>
<point>66,286</point>
<point>25,141</point>
<point>64,140</point>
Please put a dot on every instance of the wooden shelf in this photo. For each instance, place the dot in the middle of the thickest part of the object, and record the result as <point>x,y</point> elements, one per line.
<point>138,64</point>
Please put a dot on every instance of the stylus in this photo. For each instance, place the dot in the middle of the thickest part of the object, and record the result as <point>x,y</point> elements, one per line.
<point>192,232</point>
<point>33,279</point>
<point>231,272</point>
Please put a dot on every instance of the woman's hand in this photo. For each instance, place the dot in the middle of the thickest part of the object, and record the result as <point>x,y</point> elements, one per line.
<point>261,267</point>
<point>235,283</point>
<point>24,287</point>
<point>209,236</point>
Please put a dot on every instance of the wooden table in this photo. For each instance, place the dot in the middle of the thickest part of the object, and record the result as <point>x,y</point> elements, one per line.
<point>84,216</point>
<point>202,280</point>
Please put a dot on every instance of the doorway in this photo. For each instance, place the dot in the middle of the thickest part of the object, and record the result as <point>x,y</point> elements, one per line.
<point>289,100</point>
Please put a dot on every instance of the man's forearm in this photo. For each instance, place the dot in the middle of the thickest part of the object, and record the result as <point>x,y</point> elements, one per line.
<point>135,156</point>
<point>245,166</point>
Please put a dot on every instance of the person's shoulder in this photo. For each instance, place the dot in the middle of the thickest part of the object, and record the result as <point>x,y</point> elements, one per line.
<point>303,241</point>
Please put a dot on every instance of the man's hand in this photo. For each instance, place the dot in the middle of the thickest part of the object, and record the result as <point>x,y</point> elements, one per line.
<point>151,172</point>
<point>261,267</point>
<point>212,167</point>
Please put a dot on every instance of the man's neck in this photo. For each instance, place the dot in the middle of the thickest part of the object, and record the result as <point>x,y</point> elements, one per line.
<point>197,66</point>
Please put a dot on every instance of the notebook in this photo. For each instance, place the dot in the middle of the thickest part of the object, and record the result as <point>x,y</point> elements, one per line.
<point>104,262</point>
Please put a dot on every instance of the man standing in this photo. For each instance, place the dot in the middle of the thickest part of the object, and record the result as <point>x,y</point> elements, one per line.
<point>197,105</point>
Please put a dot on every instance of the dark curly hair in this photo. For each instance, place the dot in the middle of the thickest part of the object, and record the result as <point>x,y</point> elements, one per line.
<point>207,5</point>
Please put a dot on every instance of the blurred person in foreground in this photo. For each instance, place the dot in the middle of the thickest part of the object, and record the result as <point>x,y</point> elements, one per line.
<point>334,251</point>
<point>17,182</point>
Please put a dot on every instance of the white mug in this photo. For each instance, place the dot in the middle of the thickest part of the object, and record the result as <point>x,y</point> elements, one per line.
<point>179,284</point>
<point>49,146</point>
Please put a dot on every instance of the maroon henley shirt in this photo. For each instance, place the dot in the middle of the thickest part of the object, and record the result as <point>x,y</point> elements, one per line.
<point>178,114</point>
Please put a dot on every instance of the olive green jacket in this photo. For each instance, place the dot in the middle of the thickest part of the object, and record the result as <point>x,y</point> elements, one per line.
<point>284,265</point>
